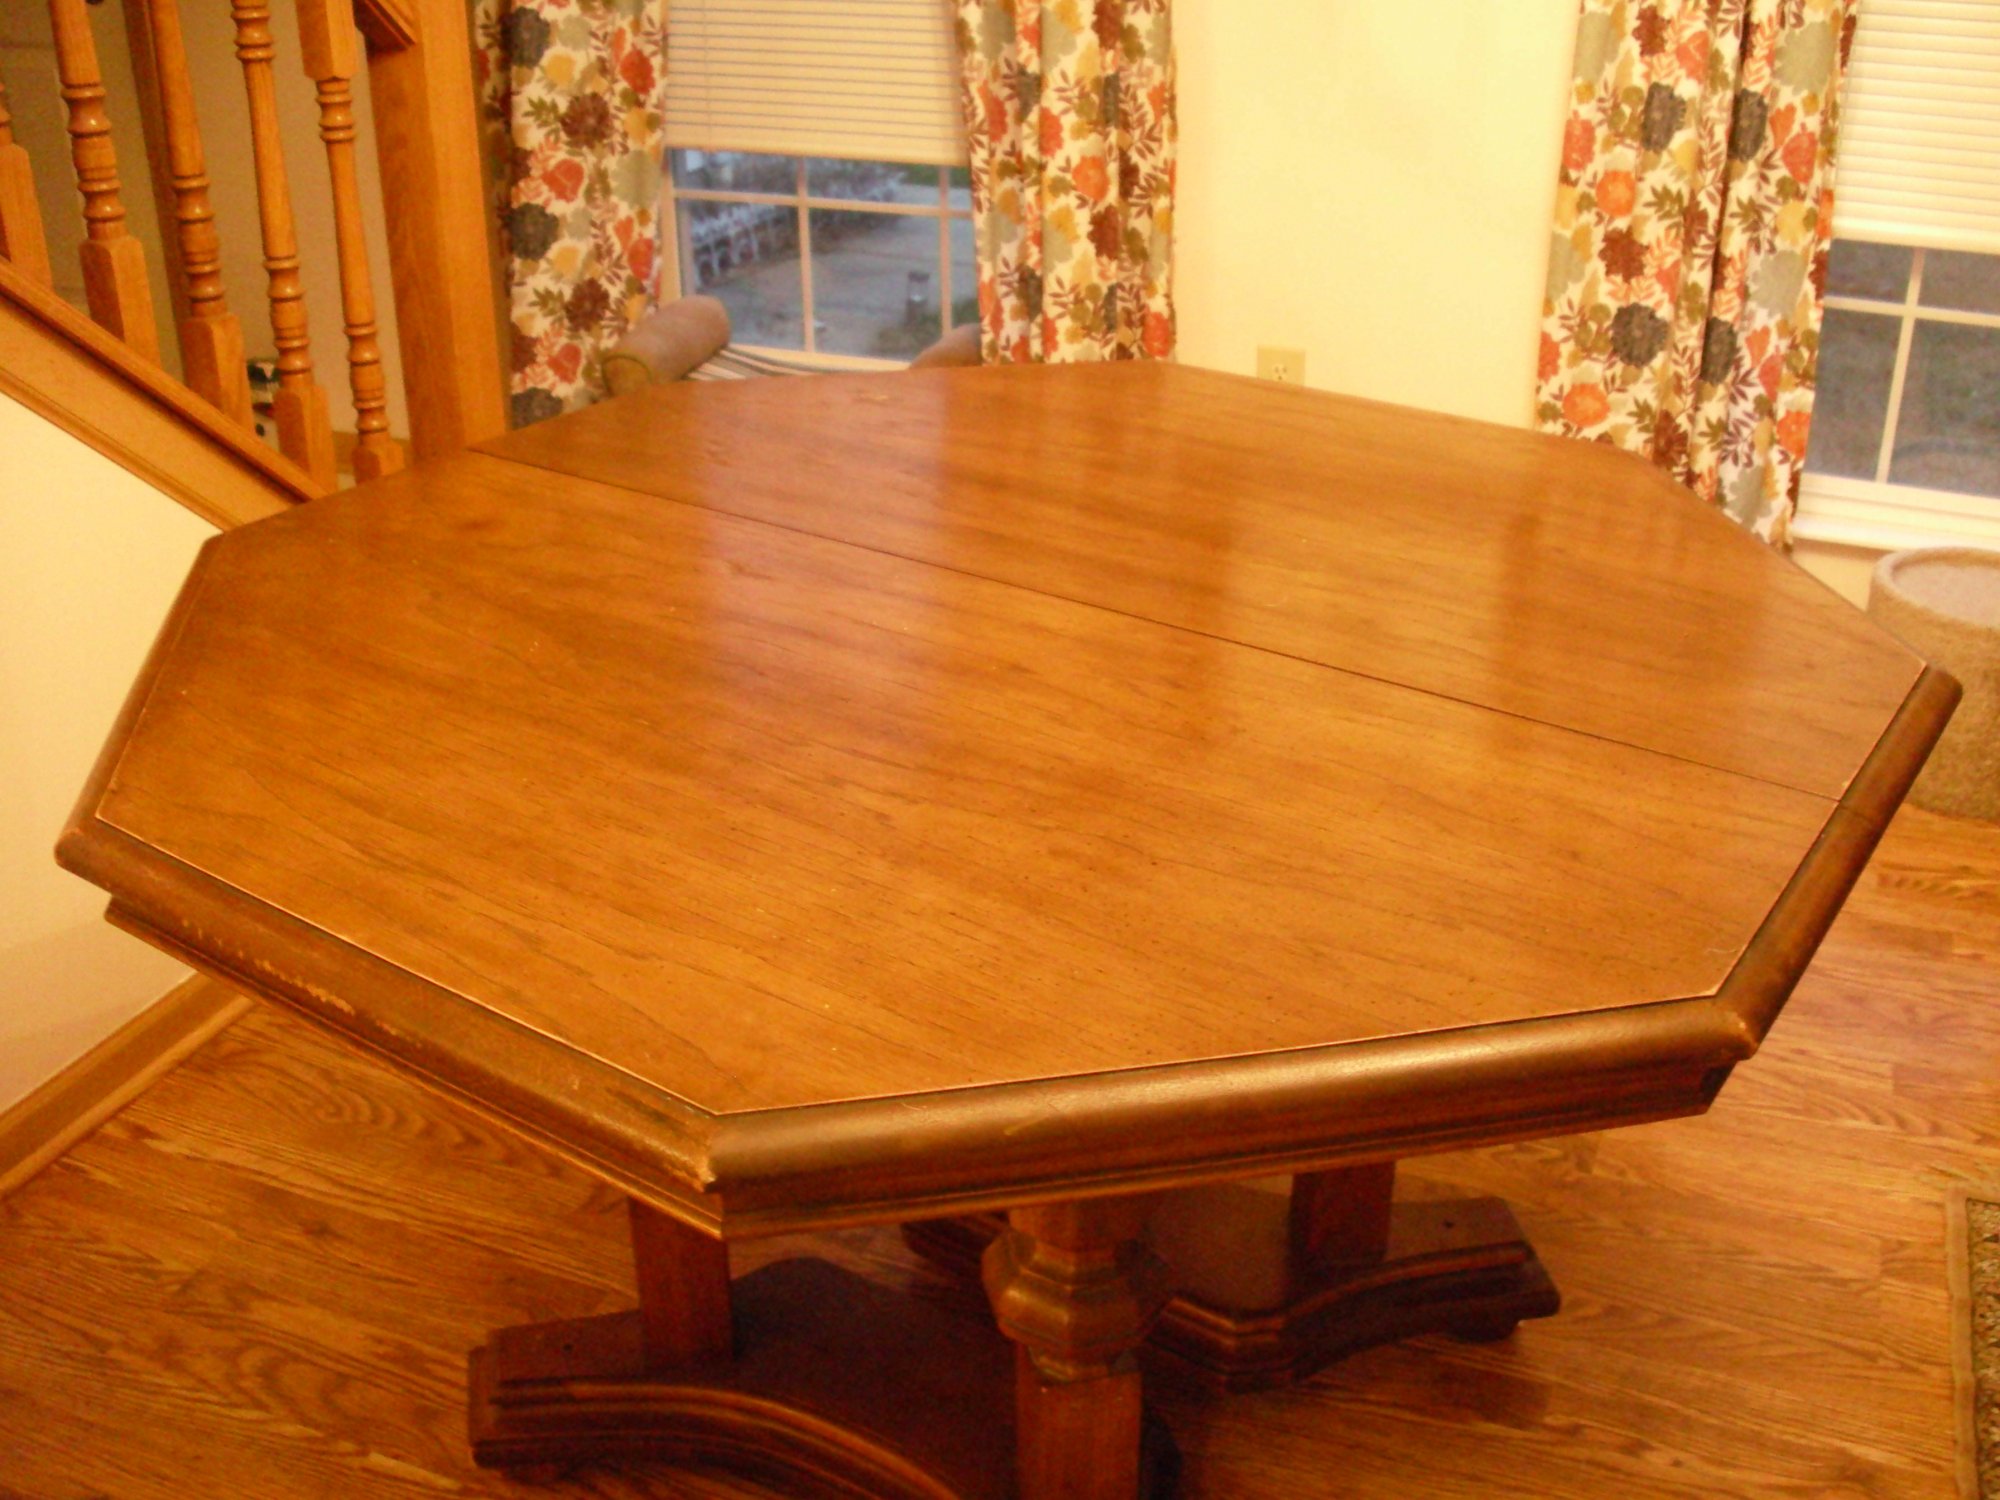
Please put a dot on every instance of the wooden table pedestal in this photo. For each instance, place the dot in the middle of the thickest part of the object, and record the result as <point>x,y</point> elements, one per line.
<point>807,1376</point>
<point>810,1376</point>
<point>1277,1279</point>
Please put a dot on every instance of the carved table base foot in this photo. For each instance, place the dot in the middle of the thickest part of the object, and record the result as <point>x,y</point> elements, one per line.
<point>839,1387</point>
<point>1266,1296</point>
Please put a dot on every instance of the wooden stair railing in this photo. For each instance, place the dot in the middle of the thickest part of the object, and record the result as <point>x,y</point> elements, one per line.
<point>299,407</point>
<point>21,238</point>
<point>427,139</point>
<point>419,64</point>
<point>114,263</point>
<point>211,337</point>
<point>327,36</point>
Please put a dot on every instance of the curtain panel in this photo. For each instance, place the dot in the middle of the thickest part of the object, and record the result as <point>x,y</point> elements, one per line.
<point>573,96</point>
<point>1070,123</point>
<point>1687,269</point>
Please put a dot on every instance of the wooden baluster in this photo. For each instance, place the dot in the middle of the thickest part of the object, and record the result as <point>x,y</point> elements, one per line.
<point>114,265</point>
<point>332,56</point>
<point>21,239</point>
<point>210,334</point>
<point>304,433</point>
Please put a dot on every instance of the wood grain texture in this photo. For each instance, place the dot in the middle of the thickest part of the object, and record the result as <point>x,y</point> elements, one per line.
<point>683,1278</point>
<point>1339,1219</point>
<point>965,717</point>
<point>965,709</point>
<point>993,763</point>
<point>114,265</point>
<point>305,432</point>
<point>34,1131</point>
<point>331,49</point>
<point>387,25</point>
<point>1959,1239</point>
<point>280,1253</point>
<point>1322,917</point>
<point>23,243</point>
<point>59,363</point>
<point>448,317</point>
<point>1565,583</point>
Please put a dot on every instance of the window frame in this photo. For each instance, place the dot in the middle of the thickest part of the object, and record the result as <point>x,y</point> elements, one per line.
<point>803,201</point>
<point>1874,512</point>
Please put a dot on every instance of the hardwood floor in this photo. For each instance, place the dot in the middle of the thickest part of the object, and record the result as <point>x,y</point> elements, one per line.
<point>261,1278</point>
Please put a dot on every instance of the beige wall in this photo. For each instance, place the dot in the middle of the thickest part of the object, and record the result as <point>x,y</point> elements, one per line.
<point>90,559</point>
<point>1373,182</point>
<point>1845,570</point>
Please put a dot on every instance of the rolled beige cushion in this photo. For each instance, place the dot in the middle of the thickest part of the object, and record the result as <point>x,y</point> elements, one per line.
<point>1944,602</point>
<point>667,343</point>
<point>959,347</point>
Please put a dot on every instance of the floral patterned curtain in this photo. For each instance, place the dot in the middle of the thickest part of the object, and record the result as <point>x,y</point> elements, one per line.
<point>1069,108</point>
<point>574,101</point>
<point>1688,266</point>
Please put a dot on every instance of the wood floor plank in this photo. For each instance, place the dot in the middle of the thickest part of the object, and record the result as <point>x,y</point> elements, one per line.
<point>261,1278</point>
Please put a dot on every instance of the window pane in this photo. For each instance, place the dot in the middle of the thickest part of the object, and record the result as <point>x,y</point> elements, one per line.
<point>875,282</point>
<point>736,171</point>
<point>1954,279</point>
<point>964,275</point>
<point>961,188</point>
<point>1858,269</point>
<point>748,255</point>
<point>1857,357</point>
<point>1948,436</point>
<point>872,181</point>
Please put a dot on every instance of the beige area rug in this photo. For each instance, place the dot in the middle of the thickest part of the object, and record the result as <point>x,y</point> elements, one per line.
<point>1974,1219</point>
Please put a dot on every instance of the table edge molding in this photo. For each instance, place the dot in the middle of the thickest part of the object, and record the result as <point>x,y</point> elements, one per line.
<point>870,1160</point>
<point>1758,986</point>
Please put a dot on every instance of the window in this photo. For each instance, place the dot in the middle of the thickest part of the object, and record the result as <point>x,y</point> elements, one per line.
<point>1905,447</point>
<point>817,176</point>
<point>1910,382</point>
<point>842,258</point>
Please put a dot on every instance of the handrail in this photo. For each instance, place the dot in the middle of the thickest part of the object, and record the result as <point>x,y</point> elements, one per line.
<point>241,478</point>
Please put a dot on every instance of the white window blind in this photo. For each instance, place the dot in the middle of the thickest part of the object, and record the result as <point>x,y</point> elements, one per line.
<point>871,79</point>
<point>1919,160</point>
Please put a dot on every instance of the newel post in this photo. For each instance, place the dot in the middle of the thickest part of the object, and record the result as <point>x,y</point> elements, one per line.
<point>427,141</point>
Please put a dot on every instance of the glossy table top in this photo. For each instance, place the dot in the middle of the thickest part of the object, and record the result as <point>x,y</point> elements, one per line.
<point>837,756</point>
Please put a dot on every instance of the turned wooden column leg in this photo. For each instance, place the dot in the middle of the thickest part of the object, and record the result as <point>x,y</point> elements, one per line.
<point>683,1290</point>
<point>1077,1290</point>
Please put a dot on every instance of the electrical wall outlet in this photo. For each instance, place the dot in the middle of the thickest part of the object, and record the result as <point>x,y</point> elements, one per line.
<point>1286,366</point>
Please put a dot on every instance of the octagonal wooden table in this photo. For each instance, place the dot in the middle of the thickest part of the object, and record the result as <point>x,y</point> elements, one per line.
<point>1025,805</point>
